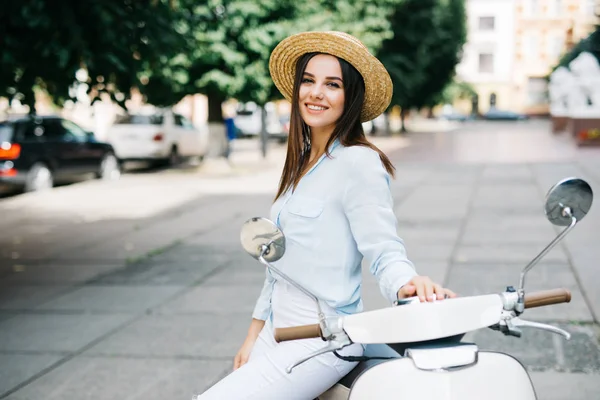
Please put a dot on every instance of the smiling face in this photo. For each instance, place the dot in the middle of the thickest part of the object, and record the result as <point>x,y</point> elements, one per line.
<point>321,94</point>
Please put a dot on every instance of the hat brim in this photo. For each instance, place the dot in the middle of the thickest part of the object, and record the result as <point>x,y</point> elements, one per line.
<point>378,84</point>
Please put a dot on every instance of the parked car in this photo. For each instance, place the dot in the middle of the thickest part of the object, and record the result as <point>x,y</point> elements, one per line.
<point>503,115</point>
<point>37,152</point>
<point>248,121</point>
<point>163,138</point>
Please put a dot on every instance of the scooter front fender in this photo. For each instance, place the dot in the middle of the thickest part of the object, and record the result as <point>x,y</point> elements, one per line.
<point>495,376</point>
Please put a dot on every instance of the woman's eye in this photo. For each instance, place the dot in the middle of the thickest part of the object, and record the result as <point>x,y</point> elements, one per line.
<point>334,84</point>
<point>306,80</point>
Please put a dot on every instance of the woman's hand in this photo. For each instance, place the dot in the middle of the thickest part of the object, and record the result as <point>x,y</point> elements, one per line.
<point>425,289</point>
<point>243,353</point>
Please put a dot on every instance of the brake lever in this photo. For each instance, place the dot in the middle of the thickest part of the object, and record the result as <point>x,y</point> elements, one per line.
<point>519,323</point>
<point>337,343</point>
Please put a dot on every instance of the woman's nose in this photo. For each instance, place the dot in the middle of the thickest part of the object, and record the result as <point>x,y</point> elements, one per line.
<point>317,92</point>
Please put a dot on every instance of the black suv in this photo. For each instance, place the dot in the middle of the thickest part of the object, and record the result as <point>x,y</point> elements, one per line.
<point>37,152</point>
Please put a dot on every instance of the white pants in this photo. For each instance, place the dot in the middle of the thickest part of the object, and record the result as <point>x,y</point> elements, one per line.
<point>264,376</point>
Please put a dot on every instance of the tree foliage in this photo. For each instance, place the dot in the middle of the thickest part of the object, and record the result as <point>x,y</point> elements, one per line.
<point>44,43</point>
<point>425,49</point>
<point>233,40</point>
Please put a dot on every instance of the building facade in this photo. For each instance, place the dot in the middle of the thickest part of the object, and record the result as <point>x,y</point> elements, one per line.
<point>513,45</point>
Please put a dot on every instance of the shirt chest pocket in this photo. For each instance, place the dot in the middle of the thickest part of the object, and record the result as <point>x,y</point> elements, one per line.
<point>304,215</point>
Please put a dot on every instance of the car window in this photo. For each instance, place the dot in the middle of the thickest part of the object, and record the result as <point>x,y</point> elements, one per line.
<point>183,121</point>
<point>73,132</point>
<point>53,129</point>
<point>135,119</point>
<point>6,132</point>
<point>30,131</point>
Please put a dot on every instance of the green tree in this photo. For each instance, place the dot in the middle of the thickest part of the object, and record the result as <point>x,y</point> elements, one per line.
<point>422,55</point>
<point>44,43</point>
<point>234,39</point>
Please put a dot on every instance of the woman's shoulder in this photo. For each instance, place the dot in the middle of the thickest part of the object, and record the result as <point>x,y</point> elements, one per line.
<point>359,156</point>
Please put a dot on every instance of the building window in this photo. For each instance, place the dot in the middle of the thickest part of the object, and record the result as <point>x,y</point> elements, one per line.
<point>589,8</point>
<point>530,45</point>
<point>531,7</point>
<point>556,8</point>
<point>486,63</point>
<point>537,91</point>
<point>486,23</point>
<point>556,45</point>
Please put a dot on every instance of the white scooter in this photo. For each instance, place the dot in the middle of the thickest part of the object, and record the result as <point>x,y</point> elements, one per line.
<point>441,370</point>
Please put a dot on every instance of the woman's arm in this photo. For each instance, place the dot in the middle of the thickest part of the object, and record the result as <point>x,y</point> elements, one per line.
<point>368,205</point>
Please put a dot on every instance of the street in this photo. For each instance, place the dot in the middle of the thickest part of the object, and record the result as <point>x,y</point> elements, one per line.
<point>140,288</point>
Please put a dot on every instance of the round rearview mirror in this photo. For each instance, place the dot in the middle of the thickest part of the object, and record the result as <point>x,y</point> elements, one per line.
<point>573,193</point>
<point>258,232</point>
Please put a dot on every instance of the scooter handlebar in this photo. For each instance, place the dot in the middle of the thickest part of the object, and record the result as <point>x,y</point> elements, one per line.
<point>547,297</point>
<point>297,332</point>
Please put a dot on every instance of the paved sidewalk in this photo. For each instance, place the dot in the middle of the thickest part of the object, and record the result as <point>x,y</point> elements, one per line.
<point>141,289</point>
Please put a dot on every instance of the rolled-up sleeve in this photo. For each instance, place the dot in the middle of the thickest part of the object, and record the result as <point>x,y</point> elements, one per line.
<point>262,309</point>
<point>368,205</point>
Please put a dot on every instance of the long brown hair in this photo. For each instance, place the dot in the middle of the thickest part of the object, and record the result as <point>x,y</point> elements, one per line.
<point>348,128</point>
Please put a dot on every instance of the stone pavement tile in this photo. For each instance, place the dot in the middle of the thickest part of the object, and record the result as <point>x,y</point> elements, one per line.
<point>536,238</point>
<point>26,297</point>
<point>17,368</point>
<point>161,234</point>
<point>552,385</point>
<point>454,174</point>
<point>101,298</point>
<point>428,234</point>
<point>92,378</point>
<point>541,350</point>
<point>506,252</point>
<point>56,332</point>
<point>161,272</point>
<point>198,335</point>
<point>507,174</point>
<point>251,275</point>
<point>508,197</point>
<point>427,252</point>
<point>229,299</point>
<point>470,279</point>
<point>55,273</point>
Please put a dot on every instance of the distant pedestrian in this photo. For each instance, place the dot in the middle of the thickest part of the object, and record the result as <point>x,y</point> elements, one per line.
<point>334,205</point>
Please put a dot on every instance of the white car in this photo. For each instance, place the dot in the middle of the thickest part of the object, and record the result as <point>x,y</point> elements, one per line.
<point>248,121</point>
<point>163,137</point>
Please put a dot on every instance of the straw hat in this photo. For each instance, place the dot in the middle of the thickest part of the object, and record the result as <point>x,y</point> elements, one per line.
<point>378,84</point>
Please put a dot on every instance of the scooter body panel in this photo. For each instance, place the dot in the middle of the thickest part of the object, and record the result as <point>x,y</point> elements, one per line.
<point>428,321</point>
<point>495,376</point>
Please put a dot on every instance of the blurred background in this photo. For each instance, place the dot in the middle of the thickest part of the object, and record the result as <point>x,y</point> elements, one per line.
<point>136,136</point>
<point>197,71</point>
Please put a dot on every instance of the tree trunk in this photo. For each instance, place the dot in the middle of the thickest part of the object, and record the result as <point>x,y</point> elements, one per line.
<point>263,131</point>
<point>215,104</point>
<point>386,125</point>
<point>430,112</point>
<point>402,117</point>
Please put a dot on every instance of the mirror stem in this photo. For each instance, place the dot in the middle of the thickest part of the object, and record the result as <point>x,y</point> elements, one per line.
<point>322,321</point>
<point>567,213</point>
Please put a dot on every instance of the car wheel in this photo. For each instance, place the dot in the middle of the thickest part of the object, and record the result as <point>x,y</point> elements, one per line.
<point>109,168</point>
<point>39,178</point>
<point>174,157</point>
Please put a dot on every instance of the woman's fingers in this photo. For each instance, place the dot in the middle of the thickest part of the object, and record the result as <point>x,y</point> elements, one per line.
<point>439,291</point>
<point>449,293</point>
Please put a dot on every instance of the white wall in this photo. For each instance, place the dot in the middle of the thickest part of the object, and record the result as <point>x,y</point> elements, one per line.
<point>500,41</point>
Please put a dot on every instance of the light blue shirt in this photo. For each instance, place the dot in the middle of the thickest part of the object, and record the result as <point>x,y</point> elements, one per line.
<point>341,210</point>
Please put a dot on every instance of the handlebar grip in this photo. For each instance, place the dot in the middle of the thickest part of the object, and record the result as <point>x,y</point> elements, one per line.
<point>547,297</point>
<point>297,332</point>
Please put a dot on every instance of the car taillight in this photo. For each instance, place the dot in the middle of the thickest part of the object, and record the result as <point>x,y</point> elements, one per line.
<point>10,151</point>
<point>158,137</point>
<point>8,172</point>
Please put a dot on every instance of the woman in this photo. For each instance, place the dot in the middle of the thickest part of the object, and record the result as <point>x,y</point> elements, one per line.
<point>334,205</point>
